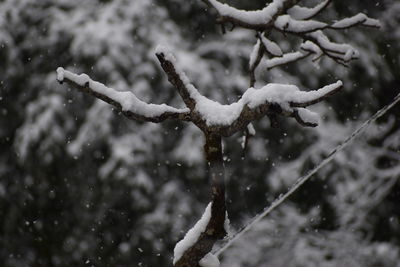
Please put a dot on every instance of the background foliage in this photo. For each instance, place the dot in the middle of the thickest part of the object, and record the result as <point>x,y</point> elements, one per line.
<point>81,185</point>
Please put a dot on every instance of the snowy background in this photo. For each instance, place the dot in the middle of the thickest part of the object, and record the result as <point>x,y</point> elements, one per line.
<point>80,185</point>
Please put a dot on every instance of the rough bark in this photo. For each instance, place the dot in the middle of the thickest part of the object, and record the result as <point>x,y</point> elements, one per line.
<point>215,229</point>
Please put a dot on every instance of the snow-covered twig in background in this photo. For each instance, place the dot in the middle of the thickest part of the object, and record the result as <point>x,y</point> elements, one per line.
<point>287,17</point>
<point>306,177</point>
<point>279,14</point>
<point>285,59</point>
<point>258,19</point>
<point>299,12</point>
<point>287,24</point>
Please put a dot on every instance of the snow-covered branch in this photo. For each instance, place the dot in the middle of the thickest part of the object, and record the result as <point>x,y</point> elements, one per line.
<point>287,24</point>
<point>289,18</point>
<point>340,53</point>
<point>272,99</point>
<point>177,77</point>
<point>285,59</point>
<point>126,102</point>
<point>258,19</point>
<point>285,15</point>
<point>305,99</point>
<point>307,48</point>
<point>276,99</point>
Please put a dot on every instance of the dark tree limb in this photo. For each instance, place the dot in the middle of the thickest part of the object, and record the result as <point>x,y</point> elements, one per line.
<point>176,79</point>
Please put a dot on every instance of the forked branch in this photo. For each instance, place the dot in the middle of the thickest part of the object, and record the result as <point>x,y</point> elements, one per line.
<point>272,99</point>
<point>177,77</point>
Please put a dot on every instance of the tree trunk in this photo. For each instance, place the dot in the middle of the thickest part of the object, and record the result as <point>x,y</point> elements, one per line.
<point>215,229</point>
<point>216,169</point>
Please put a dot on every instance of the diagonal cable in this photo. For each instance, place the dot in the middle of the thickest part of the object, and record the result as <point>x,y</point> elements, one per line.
<point>300,181</point>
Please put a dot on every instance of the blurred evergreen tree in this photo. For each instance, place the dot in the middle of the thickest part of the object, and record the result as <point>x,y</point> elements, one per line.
<point>79,185</point>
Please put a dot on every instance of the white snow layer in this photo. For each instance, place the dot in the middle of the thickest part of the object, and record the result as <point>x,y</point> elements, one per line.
<point>360,18</point>
<point>348,51</point>
<point>252,132</point>
<point>127,100</point>
<point>271,47</point>
<point>254,54</point>
<point>284,59</point>
<point>209,260</point>
<point>193,235</point>
<point>286,23</point>
<point>215,113</point>
<point>308,116</point>
<point>311,47</point>
<point>262,16</point>
<point>299,12</point>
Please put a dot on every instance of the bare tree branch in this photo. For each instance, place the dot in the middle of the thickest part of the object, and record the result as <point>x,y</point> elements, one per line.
<point>177,77</point>
<point>125,102</point>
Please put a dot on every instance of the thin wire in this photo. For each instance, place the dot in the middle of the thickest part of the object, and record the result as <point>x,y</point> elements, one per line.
<point>300,181</point>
